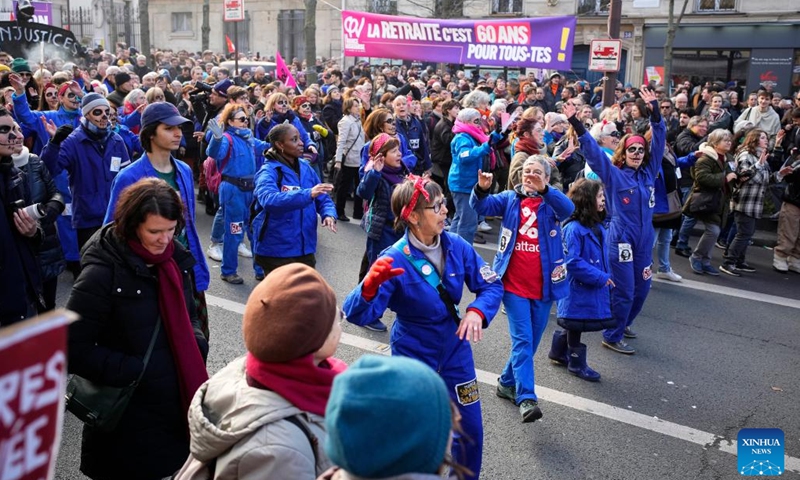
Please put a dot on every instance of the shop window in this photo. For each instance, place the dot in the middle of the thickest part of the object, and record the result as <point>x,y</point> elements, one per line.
<point>593,7</point>
<point>386,7</point>
<point>182,22</point>
<point>716,6</point>
<point>506,7</point>
<point>291,39</point>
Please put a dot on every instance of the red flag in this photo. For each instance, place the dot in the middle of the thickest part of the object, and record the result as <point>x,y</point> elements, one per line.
<point>283,72</point>
<point>231,46</point>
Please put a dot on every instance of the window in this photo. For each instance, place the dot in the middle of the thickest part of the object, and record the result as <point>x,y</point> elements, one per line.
<point>716,5</point>
<point>242,37</point>
<point>386,7</point>
<point>506,6</point>
<point>448,8</point>
<point>593,7</point>
<point>181,22</point>
<point>291,39</point>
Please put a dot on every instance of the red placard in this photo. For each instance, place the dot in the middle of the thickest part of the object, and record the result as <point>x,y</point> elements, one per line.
<point>32,382</point>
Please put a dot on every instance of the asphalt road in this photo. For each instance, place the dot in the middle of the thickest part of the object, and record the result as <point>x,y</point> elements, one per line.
<point>714,355</point>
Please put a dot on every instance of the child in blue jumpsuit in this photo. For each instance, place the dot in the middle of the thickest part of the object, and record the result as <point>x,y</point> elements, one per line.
<point>238,157</point>
<point>630,187</point>
<point>530,259</point>
<point>430,259</point>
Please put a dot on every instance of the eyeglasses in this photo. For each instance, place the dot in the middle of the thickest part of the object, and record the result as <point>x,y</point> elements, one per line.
<point>477,121</point>
<point>436,207</point>
<point>639,150</point>
<point>101,111</point>
<point>665,107</point>
<point>242,119</point>
<point>615,134</point>
<point>390,121</point>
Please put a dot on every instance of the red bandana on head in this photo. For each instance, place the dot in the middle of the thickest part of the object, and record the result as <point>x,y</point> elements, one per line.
<point>419,188</point>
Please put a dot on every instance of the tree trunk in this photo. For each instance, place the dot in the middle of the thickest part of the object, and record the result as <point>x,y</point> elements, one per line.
<point>310,31</point>
<point>206,28</point>
<point>672,27</point>
<point>144,31</point>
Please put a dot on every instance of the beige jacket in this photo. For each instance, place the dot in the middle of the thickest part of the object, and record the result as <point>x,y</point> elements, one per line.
<point>241,432</point>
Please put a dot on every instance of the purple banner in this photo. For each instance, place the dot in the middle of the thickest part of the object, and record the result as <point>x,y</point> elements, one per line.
<point>512,42</point>
<point>43,12</point>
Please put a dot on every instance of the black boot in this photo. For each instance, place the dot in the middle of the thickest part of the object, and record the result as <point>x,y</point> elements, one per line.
<point>558,350</point>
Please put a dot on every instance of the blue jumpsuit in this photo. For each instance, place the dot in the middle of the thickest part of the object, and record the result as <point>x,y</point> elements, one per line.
<point>527,318</point>
<point>630,195</point>
<point>424,330</point>
<point>244,161</point>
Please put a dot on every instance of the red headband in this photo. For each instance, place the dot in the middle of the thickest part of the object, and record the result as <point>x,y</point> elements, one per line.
<point>419,188</point>
<point>64,87</point>
<point>378,142</point>
<point>634,139</point>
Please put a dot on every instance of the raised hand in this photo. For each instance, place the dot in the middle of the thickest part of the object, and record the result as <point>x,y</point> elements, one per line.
<point>380,272</point>
<point>16,81</point>
<point>49,126</point>
<point>648,96</point>
<point>569,110</point>
<point>215,129</point>
<point>485,180</point>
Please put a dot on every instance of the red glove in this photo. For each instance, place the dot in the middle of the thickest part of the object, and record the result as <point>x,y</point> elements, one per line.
<point>380,271</point>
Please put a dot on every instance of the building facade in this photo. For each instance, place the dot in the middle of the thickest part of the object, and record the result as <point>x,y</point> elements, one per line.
<point>745,40</point>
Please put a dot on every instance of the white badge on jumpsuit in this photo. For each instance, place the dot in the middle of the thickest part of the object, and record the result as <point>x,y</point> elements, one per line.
<point>625,252</point>
<point>116,163</point>
<point>505,237</point>
<point>652,203</point>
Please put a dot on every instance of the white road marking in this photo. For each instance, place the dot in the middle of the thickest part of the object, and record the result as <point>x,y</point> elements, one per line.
<point>708,287</point>
<point>653,424</point>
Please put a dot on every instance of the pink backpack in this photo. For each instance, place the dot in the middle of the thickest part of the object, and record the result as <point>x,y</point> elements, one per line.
<point>214,176</point>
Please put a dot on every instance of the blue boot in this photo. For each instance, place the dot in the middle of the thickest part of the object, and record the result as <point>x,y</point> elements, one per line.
<point>558,351</point>
<point>577,364</point>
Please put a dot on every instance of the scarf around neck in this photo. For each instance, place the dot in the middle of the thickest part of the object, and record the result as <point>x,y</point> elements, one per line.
<point>175,317</point>
<point>393,175</point>
<point>474,131</point>
<point>527,145</point>
<point>301,382</point>
<point>288,116</point>
<point>96,133</point>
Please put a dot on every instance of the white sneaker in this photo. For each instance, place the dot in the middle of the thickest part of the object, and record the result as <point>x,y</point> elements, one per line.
<point>780,264</point>
<point>794,265</point>
<point>484,227</point>
<point>215,252</point>
<point>670,275</point>
<point>244,251</point>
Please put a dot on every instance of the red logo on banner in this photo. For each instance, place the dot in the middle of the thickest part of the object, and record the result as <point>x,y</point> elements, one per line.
<point>768,76</point>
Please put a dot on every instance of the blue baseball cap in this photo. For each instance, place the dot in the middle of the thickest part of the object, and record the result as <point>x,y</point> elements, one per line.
<point>162,112</point>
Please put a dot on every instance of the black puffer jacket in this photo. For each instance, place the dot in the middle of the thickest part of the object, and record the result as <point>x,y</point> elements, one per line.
<point>116,296</point>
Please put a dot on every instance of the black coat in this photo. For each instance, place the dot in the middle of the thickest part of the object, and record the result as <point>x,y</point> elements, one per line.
<point>441,156</point>
<point>116,296</point>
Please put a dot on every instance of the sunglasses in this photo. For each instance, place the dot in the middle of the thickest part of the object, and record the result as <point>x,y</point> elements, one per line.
<point>390,121</point>
<point>665,107</point>
<point>242,119</point>
<point>101,111</point>
<point>639,150</point>
<point>615,134</point>
<point>436,207</point>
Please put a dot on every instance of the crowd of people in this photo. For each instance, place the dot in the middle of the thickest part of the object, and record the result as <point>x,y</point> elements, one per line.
<point>102,165</point>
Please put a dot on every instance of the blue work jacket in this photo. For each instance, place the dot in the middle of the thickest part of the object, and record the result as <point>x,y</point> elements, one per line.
<point>554,209</point>
<point>142,168</point>
<point>588,270</point>
<point>468,156</point>
<point>246,158</point>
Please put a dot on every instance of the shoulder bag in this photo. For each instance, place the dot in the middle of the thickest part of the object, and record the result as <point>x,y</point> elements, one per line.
<point>101,406</point>
<point>705,202</point>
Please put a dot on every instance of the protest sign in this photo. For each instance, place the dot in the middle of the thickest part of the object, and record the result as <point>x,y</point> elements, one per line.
<point>514,42</point>
<point>32,381</point>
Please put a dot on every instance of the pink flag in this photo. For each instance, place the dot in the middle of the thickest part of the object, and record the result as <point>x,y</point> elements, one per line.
<point>283,73</point>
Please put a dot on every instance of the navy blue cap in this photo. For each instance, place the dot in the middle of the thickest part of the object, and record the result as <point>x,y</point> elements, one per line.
<point>222,87</point>
<point>162,112</point>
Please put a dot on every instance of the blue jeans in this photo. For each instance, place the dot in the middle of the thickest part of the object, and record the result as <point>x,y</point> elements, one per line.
<point>688,222</point>
<point>663,237</point>
<point>527,320</point>
<point>465,221</point>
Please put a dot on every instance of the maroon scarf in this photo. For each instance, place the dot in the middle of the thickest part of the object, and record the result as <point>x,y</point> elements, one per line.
<point>175,316</point>
<point>527,145</point>
<point>301,382</point>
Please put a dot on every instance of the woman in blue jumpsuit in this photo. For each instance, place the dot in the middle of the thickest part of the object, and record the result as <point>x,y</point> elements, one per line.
<point>630,195</point>
<point>530,259</point>
<point>427,261</point>
<point>238,156</point>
